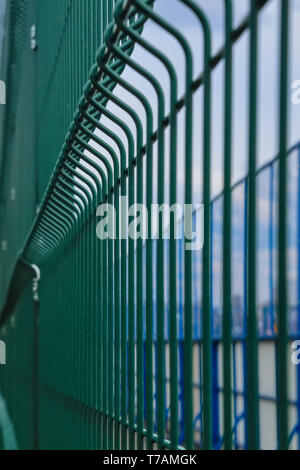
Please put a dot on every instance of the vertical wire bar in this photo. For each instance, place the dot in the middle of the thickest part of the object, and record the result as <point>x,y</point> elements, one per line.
<point>72,336</point>
<point>110,10</point>
<point>104,344</point>
<point>75,351</point>
<point>271,248</point>
<point>100,282</point>
<point>94,352</point>
<point>78,74</point>
<point>96,272</point>
<point>76,337</point>
<point>131,317</point>
<point>149,312</point>
<point>87,258</point>
<point>117,302</point>
<point>131,314</point>
<point>244,328</point>
<point>82,335</point>
<point>149,295</point>
<point>227,315</point>
<point>110,334</point>
<point>124,394</point>
<point>100,265</point>
<point>173,272</point>
<point>252,345</point>
<point>104,17</point>
<point>75,359</point>
<point>139,315</point>
<point>73,270</point>
<point>84,259</point>
<point>149,301</point>
<point>160,322</point>
<point>282,385</point>
<point>188,308</point>
<point>206,276</point>
<point>92,326</point>
<point>117,323</point>
<point>298,287</point>
<point>81,349</point>
<point>86,338</point>
<point>112,309</point>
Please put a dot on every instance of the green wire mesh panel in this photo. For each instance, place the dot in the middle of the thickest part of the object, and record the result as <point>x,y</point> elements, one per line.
<point>117,347</point>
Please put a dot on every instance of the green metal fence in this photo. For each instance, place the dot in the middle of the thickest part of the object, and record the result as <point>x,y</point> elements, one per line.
<point>96,353</point>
